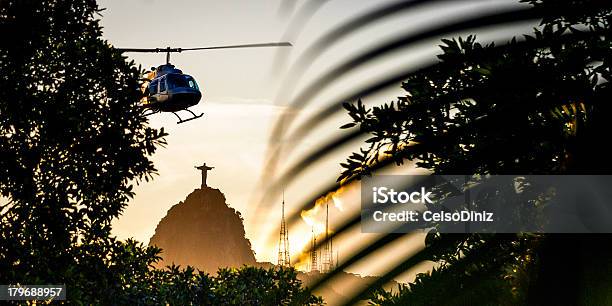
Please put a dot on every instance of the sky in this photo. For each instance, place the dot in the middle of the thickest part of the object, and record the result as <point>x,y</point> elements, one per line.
<point>239,90</point>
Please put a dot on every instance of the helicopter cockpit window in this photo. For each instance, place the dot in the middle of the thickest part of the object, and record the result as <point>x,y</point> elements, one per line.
<point>178,80</point>
<point>192,83</point>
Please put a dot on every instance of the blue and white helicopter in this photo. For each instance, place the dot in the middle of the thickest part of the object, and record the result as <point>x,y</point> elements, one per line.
<point>168,89</point>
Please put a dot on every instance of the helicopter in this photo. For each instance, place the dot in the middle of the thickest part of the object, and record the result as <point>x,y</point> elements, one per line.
<point>168,89</point>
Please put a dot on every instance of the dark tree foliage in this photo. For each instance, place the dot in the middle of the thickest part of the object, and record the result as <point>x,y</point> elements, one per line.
<point>244,286</point>
<point>539,105</point>
<point>73,141</point>
<point>478,270</point>
<point>512,109</point>
<point>256,286</point>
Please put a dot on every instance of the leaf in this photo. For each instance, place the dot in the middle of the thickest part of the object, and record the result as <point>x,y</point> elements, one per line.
<point>348,125</point>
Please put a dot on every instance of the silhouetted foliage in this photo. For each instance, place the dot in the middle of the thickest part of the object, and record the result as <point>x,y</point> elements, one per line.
<point>477,270</point>
<point>256,286</point>
<point>243,286</point>
<point>507,110</point>
<point>72,143</point>
<point>535,106</point>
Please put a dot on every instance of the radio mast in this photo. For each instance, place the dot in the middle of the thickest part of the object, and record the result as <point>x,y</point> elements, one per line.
<point>284,257</point>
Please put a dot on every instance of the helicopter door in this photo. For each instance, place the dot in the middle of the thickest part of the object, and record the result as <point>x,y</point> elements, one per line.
<point>153,96</point>
<point>163,90</point>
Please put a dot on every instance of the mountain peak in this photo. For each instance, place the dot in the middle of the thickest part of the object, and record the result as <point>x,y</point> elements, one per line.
<point>204,232</point>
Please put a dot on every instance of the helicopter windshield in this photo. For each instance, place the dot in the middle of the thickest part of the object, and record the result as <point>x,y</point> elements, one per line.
<point>181,80</point>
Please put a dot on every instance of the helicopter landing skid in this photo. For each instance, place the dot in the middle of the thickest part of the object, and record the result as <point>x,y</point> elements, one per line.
<point>149,112</point>
<point>189,119</point>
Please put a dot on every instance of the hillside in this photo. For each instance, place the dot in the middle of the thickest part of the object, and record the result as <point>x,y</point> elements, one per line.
<point>204,232</point>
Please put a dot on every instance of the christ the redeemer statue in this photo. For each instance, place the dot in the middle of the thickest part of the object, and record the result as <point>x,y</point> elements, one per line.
<point>204,170</point>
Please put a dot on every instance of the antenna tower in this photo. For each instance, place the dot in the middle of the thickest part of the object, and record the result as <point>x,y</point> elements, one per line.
<point>284,258</point>
<point>328,259</point>
<point>314,262</point>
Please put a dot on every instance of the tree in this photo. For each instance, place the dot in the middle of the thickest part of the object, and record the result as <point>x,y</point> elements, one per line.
<point>72,143</point>
<point>537,106</point>
<point>257,286</point>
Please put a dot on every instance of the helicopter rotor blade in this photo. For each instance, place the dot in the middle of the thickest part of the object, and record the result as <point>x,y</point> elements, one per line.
<point>168,49</point>
<point>153,50</point>
<point>275,44</point>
